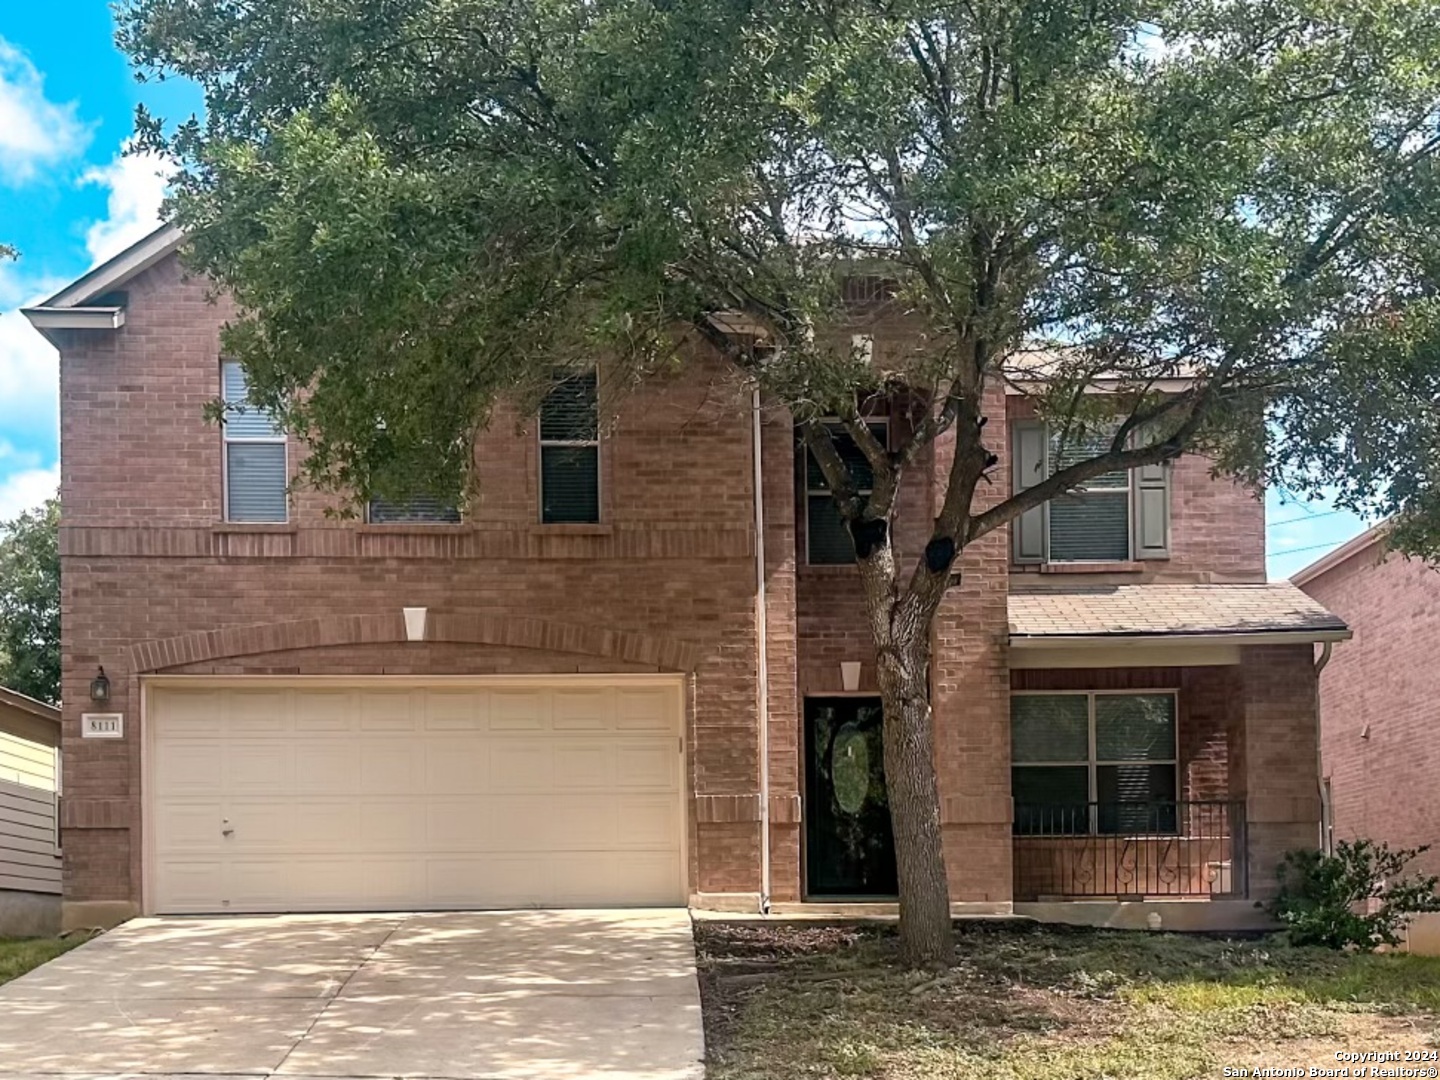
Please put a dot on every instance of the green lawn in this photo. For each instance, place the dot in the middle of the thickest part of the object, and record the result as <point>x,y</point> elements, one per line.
<point>19,955</point>
<point>1030,1003</point>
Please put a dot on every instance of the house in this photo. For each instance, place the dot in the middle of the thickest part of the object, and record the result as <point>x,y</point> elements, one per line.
<point>636,671</point>
<point>1379,743</point>
<point>29,816</point>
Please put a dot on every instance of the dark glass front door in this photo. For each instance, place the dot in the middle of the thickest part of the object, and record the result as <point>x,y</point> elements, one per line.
<point>849,848</point>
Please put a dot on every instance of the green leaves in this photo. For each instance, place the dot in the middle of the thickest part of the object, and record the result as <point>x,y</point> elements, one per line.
<point>424,206</point>
<point>1359,897</point>
<point>30,603</point>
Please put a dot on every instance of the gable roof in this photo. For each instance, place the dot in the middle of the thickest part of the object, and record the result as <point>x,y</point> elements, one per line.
<point>30,705</point>
<point>72,308</point>
<point>1276,610</point>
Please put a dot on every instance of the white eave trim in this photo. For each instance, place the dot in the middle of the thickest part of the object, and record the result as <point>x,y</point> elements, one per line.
<point>75,318</point>
<point>106,277</point>
<point>1178,640</point>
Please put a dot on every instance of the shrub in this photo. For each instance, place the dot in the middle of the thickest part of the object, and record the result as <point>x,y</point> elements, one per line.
<point>1358,897</point>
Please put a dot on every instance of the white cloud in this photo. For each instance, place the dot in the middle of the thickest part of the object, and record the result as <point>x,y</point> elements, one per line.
<point>34,130</point>
<point>24,483</point>
<point>26,490</point>
<point>29,365</point>
<point>137,185</point>
<point>29,372</point>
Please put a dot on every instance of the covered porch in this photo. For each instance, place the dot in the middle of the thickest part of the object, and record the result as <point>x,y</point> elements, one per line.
<point>1164,740</point>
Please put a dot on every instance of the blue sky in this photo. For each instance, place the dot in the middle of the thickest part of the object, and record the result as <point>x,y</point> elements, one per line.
<point>68,200</point>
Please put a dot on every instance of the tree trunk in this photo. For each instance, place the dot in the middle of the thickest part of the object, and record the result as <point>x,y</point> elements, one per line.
<point>926,934</point>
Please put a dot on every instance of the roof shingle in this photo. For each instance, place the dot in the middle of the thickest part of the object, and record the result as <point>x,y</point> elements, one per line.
<point>1136,610</point>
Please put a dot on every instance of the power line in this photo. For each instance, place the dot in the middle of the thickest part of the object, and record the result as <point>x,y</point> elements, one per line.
<point>1307,517</point>
<point>1312,547</point>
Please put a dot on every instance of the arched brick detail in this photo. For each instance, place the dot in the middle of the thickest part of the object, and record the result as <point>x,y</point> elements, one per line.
<point>666,654</point>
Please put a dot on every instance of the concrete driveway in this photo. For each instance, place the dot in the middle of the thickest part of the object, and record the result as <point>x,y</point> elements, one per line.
<point>595,994</point>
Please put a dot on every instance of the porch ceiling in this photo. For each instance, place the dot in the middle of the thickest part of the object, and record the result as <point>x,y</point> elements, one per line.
<point>1273,612</point>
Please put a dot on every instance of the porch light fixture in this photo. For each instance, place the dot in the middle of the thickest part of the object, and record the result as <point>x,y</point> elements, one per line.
<point>100,687</point>
<point>850,675</point>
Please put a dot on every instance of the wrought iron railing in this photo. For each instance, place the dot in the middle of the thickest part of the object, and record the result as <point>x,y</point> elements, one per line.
<point>1130,850</point>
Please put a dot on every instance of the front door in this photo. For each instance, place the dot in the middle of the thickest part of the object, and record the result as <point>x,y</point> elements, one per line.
<point>849,848</point>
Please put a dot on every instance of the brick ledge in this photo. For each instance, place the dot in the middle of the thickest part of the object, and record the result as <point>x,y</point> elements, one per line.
<point>664,653</point>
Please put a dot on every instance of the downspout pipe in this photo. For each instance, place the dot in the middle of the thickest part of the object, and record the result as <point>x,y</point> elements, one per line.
<point>1326,819</point>
<point>762,672</point>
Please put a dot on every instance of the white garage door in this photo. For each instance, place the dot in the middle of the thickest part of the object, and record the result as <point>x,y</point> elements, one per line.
<point>374,796</point>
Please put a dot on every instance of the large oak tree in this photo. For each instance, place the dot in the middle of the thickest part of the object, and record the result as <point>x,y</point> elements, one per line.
<point>427,206</point>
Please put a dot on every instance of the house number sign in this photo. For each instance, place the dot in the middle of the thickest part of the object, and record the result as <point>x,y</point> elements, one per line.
<point>102,725</point>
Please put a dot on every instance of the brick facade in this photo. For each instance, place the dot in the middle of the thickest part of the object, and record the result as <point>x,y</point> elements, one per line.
<point>1381,749</point>
<point>154,582</point>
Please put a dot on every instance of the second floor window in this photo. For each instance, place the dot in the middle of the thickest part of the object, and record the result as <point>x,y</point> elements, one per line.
<point>1113,518</point>
<point>828,542</point>
<point>570,452</point>
<point>1093,524</point>
<point>256,468</point>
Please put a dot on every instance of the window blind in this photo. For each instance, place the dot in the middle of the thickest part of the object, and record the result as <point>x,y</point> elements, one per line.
<point>570,451</point>
<point>256,469</point>
<point>1092,526</point>
<point>255,482</point>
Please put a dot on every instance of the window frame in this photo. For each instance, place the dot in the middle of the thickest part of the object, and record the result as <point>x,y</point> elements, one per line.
<point>543,443</point>
<point>227,440</point>
<point>1087,490</point>
<point>833,423</point>
<point>1092,763</point>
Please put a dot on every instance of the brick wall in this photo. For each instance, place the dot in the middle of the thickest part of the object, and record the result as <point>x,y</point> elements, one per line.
<point>1217,532</point>
<point>147,557</point>
<point>1273,744</point>
<point>1381,744</point>
<point>970,693</point>
<point>666,581</point>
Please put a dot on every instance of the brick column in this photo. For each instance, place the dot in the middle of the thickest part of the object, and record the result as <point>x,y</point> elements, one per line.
<point>782,635</point>
<point>970,691</point>
<point>1273,757</point>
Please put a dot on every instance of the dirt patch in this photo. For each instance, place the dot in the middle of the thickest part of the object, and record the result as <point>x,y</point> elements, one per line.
<point>1028,1003</point>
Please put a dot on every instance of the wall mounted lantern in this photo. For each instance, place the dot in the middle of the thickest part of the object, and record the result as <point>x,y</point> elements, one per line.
<point>100,687</point>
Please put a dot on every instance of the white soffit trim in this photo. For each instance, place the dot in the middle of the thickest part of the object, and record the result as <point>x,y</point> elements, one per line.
<point>113,273</point>
<point>1175,641</point>
<point>75,318</point>
<point>1126,655</point>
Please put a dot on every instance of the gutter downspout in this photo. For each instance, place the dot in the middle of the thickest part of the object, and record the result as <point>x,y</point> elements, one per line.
<point>762,673</point>
<point>1326,820</point>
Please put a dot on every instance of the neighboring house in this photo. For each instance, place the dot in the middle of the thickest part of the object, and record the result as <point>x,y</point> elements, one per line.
<point>29,816</point>
<point>1380,742</point>
<point>626,676</point>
